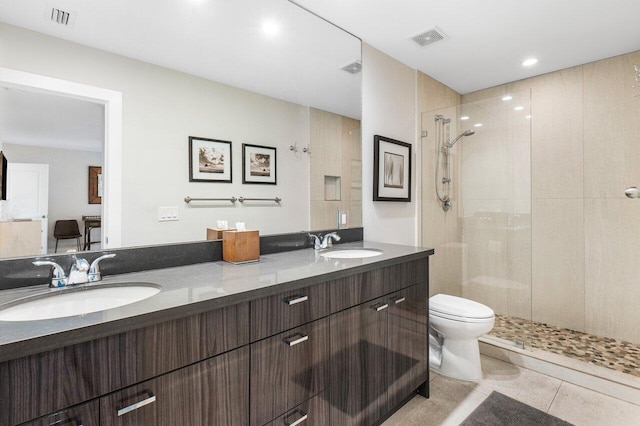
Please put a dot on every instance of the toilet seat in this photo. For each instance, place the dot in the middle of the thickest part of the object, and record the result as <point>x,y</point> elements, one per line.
<point>459,309</point>
<point>460,319</point>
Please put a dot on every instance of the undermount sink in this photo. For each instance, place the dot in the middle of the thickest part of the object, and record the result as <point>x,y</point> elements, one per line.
<point>72,301</point>
<point>351,253</point>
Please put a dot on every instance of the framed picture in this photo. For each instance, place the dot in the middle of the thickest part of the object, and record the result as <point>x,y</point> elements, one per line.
<point>95,185</point>
<point>209,160</point>
<point>258,164</point>
<point>391,170</point>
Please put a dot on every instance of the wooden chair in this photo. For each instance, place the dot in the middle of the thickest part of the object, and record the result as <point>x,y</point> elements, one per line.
<point>66,230</point>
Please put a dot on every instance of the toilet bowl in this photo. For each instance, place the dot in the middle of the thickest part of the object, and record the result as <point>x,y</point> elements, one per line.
<point>455,324</point>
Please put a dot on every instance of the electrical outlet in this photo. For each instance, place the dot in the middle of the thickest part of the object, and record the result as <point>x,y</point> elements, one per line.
<point>167,214</point>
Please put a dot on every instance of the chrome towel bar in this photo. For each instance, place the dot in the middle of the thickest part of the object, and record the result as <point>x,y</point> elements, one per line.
<point>188,199</point>
<point>276,200</point>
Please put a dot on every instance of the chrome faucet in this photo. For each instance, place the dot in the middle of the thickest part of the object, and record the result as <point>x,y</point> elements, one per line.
<point>94,270</point>
<point>327,239</point>
<point>81,272</point>
<point>323,242</point>
<point>59,278</point>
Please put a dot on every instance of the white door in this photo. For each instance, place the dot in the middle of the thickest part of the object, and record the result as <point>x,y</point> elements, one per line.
<point>28,194</point>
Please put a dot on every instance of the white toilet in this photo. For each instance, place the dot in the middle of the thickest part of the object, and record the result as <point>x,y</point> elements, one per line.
<point>454,327</point>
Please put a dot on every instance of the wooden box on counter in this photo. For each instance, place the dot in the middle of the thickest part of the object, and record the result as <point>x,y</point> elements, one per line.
<point>240,246</point>
<point>216,234</point>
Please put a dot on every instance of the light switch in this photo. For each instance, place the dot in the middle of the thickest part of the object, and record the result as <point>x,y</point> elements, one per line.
<point>166,214</point>
<point>344,219</point>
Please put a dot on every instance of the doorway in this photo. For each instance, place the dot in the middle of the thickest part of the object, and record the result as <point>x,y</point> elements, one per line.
<point>112,167</point>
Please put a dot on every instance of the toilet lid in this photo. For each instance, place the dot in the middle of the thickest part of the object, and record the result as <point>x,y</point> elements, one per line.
<point>459,307</point>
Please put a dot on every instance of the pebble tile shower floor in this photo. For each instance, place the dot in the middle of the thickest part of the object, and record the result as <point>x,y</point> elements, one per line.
<point>601,351</point>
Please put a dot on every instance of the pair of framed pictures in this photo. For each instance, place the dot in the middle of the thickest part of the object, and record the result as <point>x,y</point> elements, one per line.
<point>210,161</point>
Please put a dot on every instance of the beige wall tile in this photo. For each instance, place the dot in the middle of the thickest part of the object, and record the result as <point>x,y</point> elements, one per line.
<point>611,127</point>
<point>335,151</point>
<point>558,262</point>
<point>611,275</point>
<point>557,134</point>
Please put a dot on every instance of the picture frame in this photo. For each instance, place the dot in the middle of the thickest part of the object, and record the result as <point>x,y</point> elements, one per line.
<point>95,184</point>
<point>259,164</point>
<point>391,170</point>
<point>210,160</point>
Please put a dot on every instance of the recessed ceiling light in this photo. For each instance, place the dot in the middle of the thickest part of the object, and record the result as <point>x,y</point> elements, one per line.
<point>507,98</point>
<point>478,125</point>
<point>529,62</point>
<point>270,28</point>
<point>519,108</point>
<point>464,117</point>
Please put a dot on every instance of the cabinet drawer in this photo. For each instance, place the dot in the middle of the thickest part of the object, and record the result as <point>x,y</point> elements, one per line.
<point>81,415</point>
<point>78,373</point>
<point>314,412</point>
<point>211,392</point>
<point>406,274</point>
<point>287,369</point>
<point>278,313</point>
<point>356,289</point>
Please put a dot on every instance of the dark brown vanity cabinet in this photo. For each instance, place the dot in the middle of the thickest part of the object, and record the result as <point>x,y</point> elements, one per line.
<point>211,392</point>
<point>345,351</point>
<point>378,356</point>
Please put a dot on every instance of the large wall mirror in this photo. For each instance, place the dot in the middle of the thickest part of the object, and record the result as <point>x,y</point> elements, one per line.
<point>249,72</point>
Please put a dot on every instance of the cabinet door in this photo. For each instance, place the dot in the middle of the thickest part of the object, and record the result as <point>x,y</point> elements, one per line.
<point>358,359</point>
<point>211,392</point>
<point>287,369</point>
<point>407,361</point>
<point>81,415</point>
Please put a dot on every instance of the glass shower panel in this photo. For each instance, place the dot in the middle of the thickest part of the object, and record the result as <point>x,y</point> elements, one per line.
<point>486,245</point>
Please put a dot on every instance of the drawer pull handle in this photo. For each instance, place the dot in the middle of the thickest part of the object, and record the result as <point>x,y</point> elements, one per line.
<point>398,300</point>
<point>140,404</point>
<point>296,338</point>
<point>380,307</point>
<point>303,417</point>
<point>296,299</point>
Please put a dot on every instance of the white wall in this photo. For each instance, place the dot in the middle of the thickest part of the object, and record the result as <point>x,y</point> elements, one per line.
<point>388,109</point>
<point>161,109</point>
<point>68,180</point>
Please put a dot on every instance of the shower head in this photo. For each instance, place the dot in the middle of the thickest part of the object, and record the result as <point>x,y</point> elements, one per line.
<point>460,136</point>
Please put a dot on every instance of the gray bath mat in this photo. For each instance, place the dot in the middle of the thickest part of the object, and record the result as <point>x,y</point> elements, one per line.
<point>500,410</point>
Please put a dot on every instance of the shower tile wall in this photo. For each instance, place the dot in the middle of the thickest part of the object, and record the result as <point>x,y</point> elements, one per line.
<point>335,144</point>
<point>439,230</point>
<point>585,152</point>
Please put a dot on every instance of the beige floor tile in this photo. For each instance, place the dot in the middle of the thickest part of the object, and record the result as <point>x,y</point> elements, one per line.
<point>534,389</point>
<point>584,407</point>
<point>450,403</point>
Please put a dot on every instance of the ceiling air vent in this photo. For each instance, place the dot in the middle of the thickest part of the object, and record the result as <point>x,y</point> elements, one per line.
<point>430,36</point>
<point>353,68</point>
<point>61,17</point>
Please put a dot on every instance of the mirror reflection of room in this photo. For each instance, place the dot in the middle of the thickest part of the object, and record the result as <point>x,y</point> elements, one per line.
<point>247,98</point>
<point>54,147</point>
